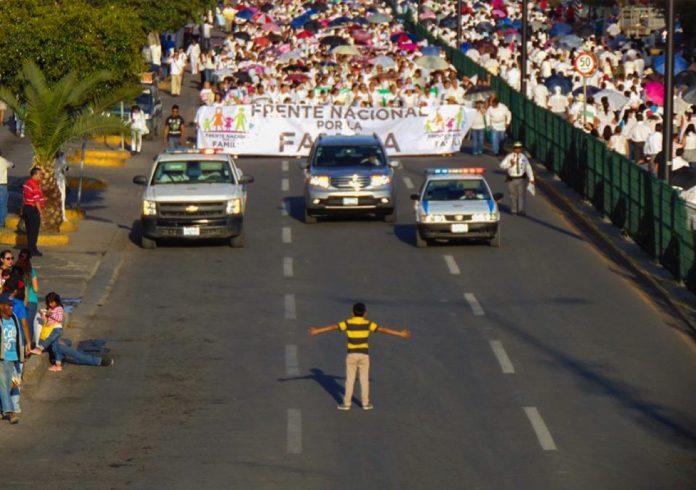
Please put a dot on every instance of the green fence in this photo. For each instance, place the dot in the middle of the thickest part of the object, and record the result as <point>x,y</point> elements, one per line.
<point>646,208</point>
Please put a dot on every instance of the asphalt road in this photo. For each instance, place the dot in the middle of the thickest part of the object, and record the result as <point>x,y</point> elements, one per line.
<point>537,365</point>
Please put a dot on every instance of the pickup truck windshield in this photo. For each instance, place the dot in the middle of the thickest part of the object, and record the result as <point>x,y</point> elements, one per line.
<point>369,156</point>
<point>456,190</point>
<point>193,172</point>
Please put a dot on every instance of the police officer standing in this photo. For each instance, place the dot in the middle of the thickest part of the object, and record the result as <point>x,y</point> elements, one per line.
<point>519,176</point>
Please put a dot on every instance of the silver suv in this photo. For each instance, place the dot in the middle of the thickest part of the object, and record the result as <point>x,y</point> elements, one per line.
<point>349,174</point>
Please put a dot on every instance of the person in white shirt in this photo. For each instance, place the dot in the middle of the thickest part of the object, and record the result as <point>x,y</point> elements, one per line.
<point>4,194</point>
<point>519,176</point>
<point>678,161</point>
<point>194,55</point>
<point>514,76</point>
<point>138,127</point>
<point>618,142</point>
<point>177,63</point>
<point>558,103</point>
<point>498,118</point>
<point>653,145</point>
<point>637,137</point>
<point>540,93</point>
<point>156,59</point>
<point>478,129</point>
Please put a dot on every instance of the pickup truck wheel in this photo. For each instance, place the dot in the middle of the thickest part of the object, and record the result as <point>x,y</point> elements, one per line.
<point>148,243</point>
<point>309,219</point>
<point>390,218</point>
<point>420,242</point>
<point>237,241</point>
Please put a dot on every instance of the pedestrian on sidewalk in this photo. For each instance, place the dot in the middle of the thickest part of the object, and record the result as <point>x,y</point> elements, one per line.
<point>177,64</point>
<point>30,278</point>
<point>174,130</point>
<point>358,329</point>
<point>498,118</point>
<point>138,127</point>
<point>12,353</point>
<point>4,194</point>
<point>33,203</point>
<point>519,176</point>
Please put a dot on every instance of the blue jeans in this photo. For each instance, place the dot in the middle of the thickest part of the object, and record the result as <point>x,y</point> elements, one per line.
<point>3,203</point>
<point>76,357</point>
<point>477,139</point>
<point>497,140</point>
<point>19,126</point>
<point>31,314</point>
<point>173,142</point>
<point>7,369</point>
<point>52,342</point>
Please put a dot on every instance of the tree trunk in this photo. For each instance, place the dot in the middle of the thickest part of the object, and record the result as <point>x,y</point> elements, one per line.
<point>53,212</point>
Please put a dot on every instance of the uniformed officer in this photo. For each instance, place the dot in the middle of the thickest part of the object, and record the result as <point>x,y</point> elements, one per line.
<point>519,176</point>
<point>358,329</point>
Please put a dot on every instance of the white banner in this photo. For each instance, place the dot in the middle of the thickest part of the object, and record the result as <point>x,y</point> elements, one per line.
<point>290,130</point>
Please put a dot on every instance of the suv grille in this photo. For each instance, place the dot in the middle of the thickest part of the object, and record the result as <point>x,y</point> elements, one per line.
<point>192,209</point>
<point>361,181</point>
<point>458,217</point>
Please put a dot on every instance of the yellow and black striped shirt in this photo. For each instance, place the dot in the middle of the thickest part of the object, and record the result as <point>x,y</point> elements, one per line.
<point>357,329</point>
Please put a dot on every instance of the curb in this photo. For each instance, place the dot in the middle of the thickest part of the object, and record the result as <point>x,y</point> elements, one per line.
<point>12,222</point>
<point>96,290</point>
<point>12,238</point>
<point>100,158</point>
<point>88,183</point>
<point>585,215</point>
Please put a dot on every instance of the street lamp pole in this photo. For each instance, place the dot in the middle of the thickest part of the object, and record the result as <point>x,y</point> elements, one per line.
<point>459,24</point>
<point>668,116</point>
<point>523,57</point>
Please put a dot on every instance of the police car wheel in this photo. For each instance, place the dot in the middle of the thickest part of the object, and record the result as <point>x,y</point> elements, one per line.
<point>497,240</point>
<point>309,219</point>
<point>421,242</point>
<point>148,243</point>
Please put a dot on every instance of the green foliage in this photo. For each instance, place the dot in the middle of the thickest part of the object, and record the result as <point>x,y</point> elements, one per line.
<point>60,112</point>
<point>73,35</point>
<point>162,15</point>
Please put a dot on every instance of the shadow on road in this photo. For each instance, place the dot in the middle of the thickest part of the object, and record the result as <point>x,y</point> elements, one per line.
<point>327,381</point>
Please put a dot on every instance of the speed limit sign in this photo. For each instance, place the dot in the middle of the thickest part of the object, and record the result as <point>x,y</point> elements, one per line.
<point>585,63</point>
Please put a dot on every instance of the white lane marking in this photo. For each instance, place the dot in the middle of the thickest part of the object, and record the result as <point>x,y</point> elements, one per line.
<point>292,366</point>
<point>294,431</point>
<point>408,182</point>
<point>285,185</point>
<point>287,234</point>
<point>452,265</point>
<point>542,432</point>
<point>288,269</point>
<point>501,355</point>
<point>285,165</point>
<point>474,304</point>
<point>290,310</point>
<point>284,208</point>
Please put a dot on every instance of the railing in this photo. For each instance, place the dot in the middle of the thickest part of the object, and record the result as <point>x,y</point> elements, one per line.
<point>646,208</point>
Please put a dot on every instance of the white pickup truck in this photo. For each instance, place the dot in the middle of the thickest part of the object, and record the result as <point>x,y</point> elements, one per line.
<point>192,195</point>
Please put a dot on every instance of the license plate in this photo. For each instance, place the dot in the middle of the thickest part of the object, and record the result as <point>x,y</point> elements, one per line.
<point>350,201</point>
<point>460,228</point>
<point>191,231</point>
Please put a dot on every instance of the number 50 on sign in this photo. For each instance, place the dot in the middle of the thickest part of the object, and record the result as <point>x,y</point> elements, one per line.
<point>585,63</point>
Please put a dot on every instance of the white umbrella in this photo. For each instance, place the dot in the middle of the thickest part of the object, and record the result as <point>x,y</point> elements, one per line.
<point>384,61</point>
<point>432,63</point>
<point>616,100</point>
<point>346,50</point>
<point>291,55</point>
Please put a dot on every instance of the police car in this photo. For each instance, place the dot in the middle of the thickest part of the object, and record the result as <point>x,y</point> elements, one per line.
<point>456,203</point>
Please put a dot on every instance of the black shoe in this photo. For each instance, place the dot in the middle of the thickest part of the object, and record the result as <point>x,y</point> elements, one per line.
<point>36,253</point>
<point>106,361</point>
<point>522,213</point>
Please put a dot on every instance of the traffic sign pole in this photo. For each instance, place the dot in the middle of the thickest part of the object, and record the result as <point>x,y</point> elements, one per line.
<point>585,64</point>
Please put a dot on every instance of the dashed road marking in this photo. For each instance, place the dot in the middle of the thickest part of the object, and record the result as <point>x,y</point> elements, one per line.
<point>452,265</point>
<point>501,355</point>
<point>542,432</point>
<point>408,182</point>
<point>290,309</point>
<point>288,269</point>
<point>474,304</point>
<point>292,366</point>
<point>287,234</point>
<point>294,431</point>
<point>285,184</point>
<point>285,165</point>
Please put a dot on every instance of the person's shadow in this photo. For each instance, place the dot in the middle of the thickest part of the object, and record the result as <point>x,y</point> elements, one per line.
<point>326,381</point>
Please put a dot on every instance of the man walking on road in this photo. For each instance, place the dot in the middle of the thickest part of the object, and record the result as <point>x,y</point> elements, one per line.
<point>174,130</point>
<point>33,202</point>
<point>4,195</point>
<point>358,329</point>
<point>12,352</point>
<point>519,176</point>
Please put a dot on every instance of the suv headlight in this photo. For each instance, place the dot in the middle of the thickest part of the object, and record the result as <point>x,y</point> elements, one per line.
<point>432,218</point>
<point>149,208</point>
<point>234,206</point>
<point>322,181</point>
<point>380,180</point>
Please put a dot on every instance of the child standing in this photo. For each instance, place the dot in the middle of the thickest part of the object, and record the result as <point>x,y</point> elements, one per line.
<point>51,331</point>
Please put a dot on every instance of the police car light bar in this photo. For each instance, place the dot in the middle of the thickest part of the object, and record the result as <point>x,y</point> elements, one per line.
<point>464,171</point>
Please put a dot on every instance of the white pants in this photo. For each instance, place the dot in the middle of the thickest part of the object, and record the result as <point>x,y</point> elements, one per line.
<point>136,141</point>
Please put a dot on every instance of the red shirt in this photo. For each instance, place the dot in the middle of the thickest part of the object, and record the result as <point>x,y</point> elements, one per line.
<point>32,194</point>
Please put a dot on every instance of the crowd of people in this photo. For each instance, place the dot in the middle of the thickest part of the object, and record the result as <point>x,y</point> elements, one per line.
<point>622,103</point>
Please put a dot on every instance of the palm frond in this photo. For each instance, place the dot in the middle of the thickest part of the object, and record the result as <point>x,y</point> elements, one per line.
<point>87,124</point>
<point>35,77</point>
<point>109,100</point>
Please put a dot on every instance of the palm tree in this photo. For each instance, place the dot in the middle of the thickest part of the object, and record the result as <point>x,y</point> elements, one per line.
<point>59,113</point>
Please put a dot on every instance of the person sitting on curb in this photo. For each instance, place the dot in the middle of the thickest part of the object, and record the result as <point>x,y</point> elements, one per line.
<point>358,329</point>
<point>74,356</point>
<point>52,317</point>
